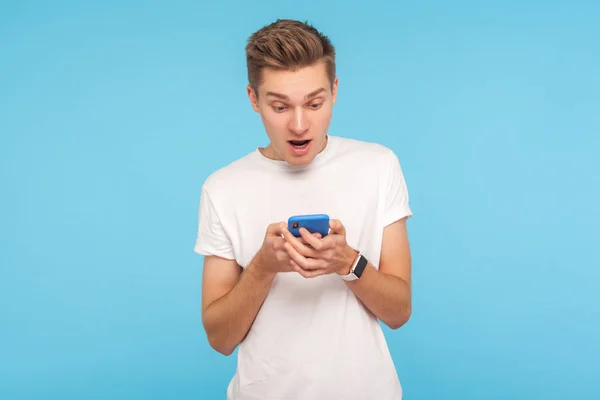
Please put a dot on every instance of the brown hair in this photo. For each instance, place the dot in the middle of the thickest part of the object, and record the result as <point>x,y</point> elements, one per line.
<point>287,44</point>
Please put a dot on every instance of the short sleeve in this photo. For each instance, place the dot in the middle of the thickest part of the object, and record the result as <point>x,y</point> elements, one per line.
<point>212,238</point>
<point>396,193</point>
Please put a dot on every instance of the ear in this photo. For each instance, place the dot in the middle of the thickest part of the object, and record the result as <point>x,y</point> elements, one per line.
<point>253,98</point>
<point>335,89</point>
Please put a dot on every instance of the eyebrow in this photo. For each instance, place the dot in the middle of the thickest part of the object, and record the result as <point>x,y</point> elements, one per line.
<point>309,96</point>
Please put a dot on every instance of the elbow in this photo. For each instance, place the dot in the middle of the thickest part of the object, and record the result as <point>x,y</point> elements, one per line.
<point>400,320</point>
<point>219,346</point>
<point>216,341</point>
<point>226,351</point>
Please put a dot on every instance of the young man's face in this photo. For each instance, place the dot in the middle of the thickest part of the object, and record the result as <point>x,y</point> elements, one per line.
<point>296,108</point>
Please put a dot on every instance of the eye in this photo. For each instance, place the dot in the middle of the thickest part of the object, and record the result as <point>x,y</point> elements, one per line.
<point>279,108</point>
<point>315,106</point>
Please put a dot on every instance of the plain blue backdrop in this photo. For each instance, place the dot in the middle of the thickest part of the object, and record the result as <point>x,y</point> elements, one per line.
<point>112,114</point>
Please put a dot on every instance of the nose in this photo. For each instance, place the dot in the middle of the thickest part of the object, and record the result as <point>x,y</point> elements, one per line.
<point>299,122</point>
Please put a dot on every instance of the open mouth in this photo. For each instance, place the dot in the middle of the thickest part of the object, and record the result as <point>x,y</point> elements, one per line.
<point>299,144</point>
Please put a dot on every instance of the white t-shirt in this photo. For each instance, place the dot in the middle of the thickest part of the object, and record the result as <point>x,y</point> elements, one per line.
<point>312,338</point>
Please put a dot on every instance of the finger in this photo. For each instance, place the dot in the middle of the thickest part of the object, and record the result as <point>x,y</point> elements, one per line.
<point>295,267</point>
<point>311,239</point>
<point>316,234</point>
<point>329,242</point>
<point>304,242</point>
<point>336,226</point>
<point>304,262</point>
<point>295,255</point>
<point>298,244</point>
<point>298,269</point>
<point>306,273</point>
<point>278,243</point>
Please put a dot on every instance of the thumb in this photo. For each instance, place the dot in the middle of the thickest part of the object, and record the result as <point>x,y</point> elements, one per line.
<point>276,229</point>
<point>281,228</point>
<point>336,226</point>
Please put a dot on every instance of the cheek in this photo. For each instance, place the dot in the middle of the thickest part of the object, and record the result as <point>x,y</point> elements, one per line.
<point>322,118</point>
<point>273,122</point>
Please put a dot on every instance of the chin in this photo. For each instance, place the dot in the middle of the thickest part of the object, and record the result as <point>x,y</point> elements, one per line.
<point>299,161</point>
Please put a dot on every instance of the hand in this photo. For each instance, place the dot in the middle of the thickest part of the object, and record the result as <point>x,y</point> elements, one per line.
<point>272,256</point>
<point>314,256</point>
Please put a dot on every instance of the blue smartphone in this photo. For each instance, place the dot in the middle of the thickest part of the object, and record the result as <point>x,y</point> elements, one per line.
<point>312,222</point>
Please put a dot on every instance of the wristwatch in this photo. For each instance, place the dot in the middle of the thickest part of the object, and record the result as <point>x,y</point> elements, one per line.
<point>357,268</point>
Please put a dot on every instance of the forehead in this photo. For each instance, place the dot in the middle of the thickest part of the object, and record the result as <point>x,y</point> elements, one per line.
<point>297,83</point>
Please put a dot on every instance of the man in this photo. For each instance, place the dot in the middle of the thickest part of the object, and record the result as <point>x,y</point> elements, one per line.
<point>304,311</point>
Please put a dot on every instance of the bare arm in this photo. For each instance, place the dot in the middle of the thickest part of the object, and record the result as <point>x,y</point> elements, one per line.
<point>231,299</point>
<point>387,292</point>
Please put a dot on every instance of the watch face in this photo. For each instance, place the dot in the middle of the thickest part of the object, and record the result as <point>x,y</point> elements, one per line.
<point>357,271</point>
<point>360,267</point>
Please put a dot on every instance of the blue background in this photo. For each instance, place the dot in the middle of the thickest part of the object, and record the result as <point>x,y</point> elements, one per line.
<point>113,114</point>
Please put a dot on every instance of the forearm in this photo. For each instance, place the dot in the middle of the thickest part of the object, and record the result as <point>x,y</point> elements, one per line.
<point>386,296</point>
<point>228,319</point>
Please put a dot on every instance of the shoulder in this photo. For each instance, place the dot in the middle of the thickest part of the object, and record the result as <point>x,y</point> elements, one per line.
<point>374,153</point>
<point>229,176</point>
